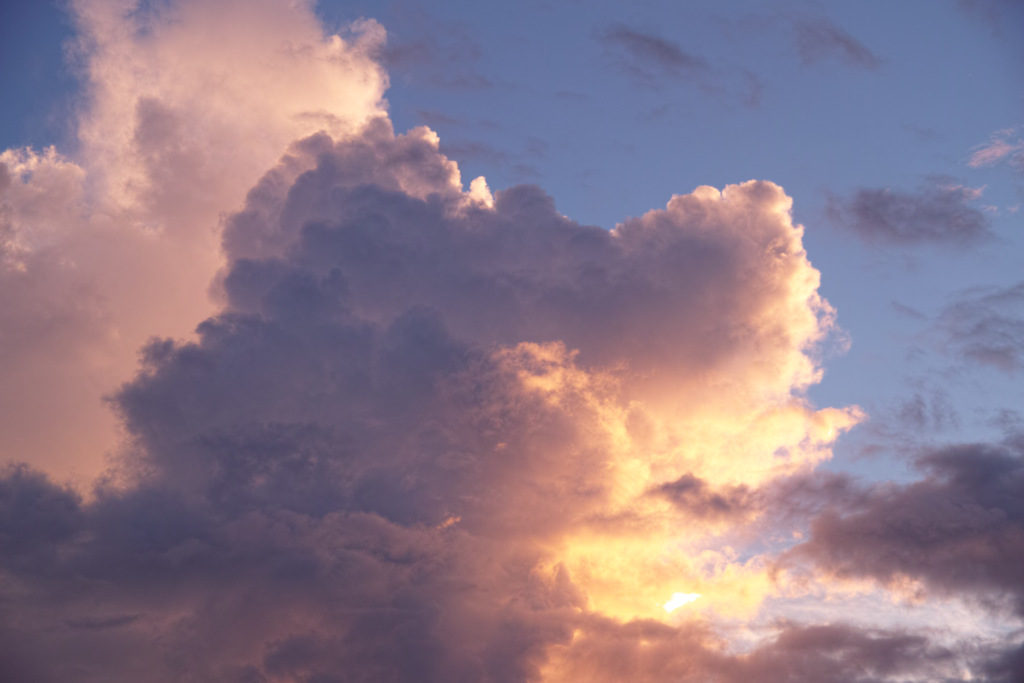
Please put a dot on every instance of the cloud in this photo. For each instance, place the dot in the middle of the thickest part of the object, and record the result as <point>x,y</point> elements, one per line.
<point>420,439</point>
<point>653,62</point>
<point>1002,147</point>
<point>185,106</point>
<point>959,529</point>
<point>694,496</point>
<point>938,213</point>
<point>428,433</point>
<point>649,57</point>
<point>819,40</point>
<point>833,653</point>
<point>986,327</point>
<point>1001,15</point>
<point>440,54</point>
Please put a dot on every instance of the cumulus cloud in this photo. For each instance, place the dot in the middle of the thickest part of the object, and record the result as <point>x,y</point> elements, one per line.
<point>940,213</point>
<point>185,106</point>
<point>430,433</point>
<point>424,437</point>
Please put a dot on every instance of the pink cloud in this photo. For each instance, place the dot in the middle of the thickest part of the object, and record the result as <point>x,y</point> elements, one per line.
<point>1003,145</point>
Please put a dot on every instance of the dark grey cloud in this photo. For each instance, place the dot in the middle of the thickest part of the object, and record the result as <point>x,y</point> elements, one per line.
<point>269,593</point>
<point>818,39</point>
<point>986,327</point>
<point>938,213</point>
<point>697,498</point>
<point>960,529</point>
<point>647,652</point>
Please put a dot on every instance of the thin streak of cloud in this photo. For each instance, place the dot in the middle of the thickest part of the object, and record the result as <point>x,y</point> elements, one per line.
<point>819,39</point>
<point>1003,146</point>
<point>654,62</point>
<point>646,54</point>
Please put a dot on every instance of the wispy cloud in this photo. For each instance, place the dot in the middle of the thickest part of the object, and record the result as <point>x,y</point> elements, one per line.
<point>655,62</point>
<point>436,53</point>
<point>818,39</point>
<point>1004,146</point>
<point>986,327</point>
<point>939,213</point>
<point>651,58</point>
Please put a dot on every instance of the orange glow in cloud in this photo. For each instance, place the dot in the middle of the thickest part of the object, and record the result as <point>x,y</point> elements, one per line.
<point>187,106</point>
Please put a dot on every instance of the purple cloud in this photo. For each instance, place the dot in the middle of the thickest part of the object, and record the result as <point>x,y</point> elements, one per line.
<point>938,213</point>
<point>986,327</point>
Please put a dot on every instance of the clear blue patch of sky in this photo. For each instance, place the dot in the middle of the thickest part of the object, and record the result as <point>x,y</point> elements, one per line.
<point>37,85</point>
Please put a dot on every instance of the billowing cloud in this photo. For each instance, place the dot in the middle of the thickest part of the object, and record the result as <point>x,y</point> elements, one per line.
<point>426,435</point>
<point>819,39</point>
<point>424,431</point>
<point>186,106</point>
<point>940,213</point>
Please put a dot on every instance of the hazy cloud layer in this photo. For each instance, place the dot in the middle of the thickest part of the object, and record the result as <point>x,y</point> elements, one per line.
<point>938,213</point>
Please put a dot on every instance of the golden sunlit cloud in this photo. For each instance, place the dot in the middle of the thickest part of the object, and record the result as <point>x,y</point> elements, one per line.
<point>678,600</point>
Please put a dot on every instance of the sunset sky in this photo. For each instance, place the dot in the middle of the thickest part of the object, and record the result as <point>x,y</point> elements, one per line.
<point>511,342</point>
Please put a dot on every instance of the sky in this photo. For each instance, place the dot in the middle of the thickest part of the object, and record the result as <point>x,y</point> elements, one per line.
<point>511,342</point>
